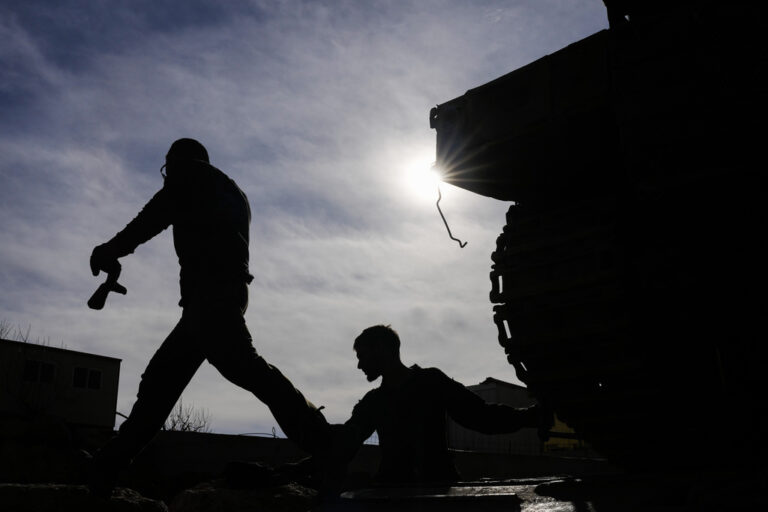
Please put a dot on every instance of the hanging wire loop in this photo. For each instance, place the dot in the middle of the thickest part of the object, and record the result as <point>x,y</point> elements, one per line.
<point>439,197</point>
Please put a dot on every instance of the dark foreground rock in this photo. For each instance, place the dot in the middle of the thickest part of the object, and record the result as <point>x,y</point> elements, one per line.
<point>216,497</point>
<point>74,498</point>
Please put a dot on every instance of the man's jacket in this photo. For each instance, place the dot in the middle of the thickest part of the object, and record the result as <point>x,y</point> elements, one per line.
<point>411,422</point>
<point>210,218</point>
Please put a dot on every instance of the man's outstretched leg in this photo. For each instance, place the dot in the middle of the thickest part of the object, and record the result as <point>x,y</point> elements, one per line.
<point>227,344</point>
<point>300,420</point>
<point>167,374</point>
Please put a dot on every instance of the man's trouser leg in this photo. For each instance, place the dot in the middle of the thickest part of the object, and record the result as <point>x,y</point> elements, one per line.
<point>229,347</point>
<point>167,374</point>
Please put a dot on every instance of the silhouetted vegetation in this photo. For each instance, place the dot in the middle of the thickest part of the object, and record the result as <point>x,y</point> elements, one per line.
<point>187,418</point>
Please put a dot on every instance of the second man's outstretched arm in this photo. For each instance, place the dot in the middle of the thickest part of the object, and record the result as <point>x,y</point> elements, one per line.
<point>471,411</point>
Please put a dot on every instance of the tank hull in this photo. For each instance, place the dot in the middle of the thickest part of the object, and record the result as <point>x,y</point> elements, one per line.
<point>628,282</point>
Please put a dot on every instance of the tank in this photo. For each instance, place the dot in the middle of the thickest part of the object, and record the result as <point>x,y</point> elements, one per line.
<point>627,283</point>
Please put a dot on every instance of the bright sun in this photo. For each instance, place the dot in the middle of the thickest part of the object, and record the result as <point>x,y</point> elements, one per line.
<point>421,178</point>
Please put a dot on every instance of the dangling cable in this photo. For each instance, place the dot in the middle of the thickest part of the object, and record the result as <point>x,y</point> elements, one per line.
<point>439,197</point>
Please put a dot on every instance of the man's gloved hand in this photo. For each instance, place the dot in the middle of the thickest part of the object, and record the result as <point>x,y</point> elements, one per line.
<point>104,257</point>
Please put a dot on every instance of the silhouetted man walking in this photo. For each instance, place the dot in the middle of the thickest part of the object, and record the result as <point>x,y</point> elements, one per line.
<point>410,410</point>
<point>210,218</point>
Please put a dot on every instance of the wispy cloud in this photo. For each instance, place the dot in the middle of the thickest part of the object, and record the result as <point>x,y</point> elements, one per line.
<point>315,109</point>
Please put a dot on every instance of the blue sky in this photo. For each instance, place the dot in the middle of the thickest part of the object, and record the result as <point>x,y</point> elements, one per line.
<point>319,110</point>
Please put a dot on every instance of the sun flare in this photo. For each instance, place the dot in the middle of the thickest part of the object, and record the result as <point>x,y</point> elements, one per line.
<point>421,177</point>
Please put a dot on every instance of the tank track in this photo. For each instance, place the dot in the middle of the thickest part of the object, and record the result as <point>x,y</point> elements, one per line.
<point>630,315</point>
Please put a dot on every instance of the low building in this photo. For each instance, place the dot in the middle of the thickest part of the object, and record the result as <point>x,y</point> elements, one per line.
<point>76,388</point>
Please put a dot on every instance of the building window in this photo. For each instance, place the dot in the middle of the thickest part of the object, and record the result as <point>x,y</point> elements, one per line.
<point>38,371</point>
<point>46,372</point>
<point>94,379</point>
<point>86,378</point>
